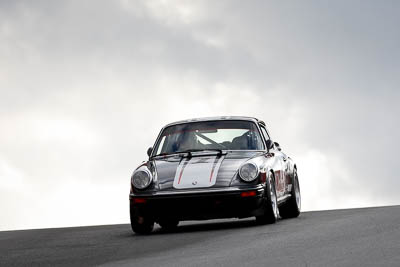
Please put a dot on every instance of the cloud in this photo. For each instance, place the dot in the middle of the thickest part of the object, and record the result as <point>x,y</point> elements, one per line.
<point>85,88</point>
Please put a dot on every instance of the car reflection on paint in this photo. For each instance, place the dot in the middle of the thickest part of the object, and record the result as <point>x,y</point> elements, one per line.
<point>221,167</point>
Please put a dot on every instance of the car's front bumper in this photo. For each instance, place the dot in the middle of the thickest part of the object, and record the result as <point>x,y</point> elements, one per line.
<point>200,204</point>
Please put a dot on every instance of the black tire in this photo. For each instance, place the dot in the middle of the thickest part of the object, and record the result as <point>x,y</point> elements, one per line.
<point>168,225</point>
<point>291,208</point>
<point>270,203</point>
<point>140,224</point>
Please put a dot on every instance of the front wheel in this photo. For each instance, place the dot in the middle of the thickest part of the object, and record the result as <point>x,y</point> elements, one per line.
<point>270,203</point>
<point>140,224</point>
<point>291,209</point>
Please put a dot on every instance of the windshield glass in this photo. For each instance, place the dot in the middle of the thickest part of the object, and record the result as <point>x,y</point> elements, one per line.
<point>224,135</point>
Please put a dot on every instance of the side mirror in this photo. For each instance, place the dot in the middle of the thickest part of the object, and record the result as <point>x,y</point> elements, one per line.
<point>269,144</point>
<point>149,150</point>
<point>277,146</point>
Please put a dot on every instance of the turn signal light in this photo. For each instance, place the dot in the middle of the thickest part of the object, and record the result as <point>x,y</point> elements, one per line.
<point>248,194</point>
<point>139,200</point>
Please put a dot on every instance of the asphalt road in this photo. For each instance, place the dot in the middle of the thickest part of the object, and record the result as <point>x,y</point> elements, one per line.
<point>354,237</point>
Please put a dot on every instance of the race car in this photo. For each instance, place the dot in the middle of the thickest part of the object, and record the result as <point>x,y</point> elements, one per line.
<point>209,168</point>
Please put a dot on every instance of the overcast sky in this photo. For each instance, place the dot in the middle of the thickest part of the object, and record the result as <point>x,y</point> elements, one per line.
<point>85,87</point>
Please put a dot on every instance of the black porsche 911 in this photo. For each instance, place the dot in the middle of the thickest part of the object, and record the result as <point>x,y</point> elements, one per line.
<point>208,168</point>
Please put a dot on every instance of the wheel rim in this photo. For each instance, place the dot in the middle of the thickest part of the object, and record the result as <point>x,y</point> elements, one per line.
<point>273,198</point>
<point>297,191</point>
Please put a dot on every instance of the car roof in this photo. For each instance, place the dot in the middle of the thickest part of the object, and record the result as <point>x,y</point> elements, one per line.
<point>219,118</point>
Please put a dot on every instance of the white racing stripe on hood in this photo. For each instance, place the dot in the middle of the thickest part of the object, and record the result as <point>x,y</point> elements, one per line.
<point>197,172</point>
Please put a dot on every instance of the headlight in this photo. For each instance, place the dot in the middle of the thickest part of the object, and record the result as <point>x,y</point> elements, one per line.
<point>248,172</point>
<point>141,178</point>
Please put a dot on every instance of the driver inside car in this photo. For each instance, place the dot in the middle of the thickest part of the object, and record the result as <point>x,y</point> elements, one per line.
<point>188,141</point>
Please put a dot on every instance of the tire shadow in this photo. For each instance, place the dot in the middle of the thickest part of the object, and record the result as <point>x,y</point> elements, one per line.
<point>205,226</point>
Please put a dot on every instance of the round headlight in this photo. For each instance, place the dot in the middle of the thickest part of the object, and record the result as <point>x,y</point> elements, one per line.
<point>141,178</point>
<point>248,172</point>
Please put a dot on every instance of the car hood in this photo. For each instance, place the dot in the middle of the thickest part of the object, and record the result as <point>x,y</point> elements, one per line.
<point>199,171</point>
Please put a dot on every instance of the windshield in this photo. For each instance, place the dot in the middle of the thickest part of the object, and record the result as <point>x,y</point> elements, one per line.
<point>221,135</point>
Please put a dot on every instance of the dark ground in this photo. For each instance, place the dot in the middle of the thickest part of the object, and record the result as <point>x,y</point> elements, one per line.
<point>354,237</point>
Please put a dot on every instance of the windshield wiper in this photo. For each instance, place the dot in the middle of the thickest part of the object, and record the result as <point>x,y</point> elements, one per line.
<point>189,151</point>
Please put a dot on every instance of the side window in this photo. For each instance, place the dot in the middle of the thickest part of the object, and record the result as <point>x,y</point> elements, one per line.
<point>265,134</point>
<point>161,145</point>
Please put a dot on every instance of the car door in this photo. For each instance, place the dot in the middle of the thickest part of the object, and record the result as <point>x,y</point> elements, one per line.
<point>278,165</point>
<point>283,170</point>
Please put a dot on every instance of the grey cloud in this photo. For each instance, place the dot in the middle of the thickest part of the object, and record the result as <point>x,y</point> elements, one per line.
<point>85,88</point>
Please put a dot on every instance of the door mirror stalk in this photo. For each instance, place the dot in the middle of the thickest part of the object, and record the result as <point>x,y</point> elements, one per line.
<point>149,150</point>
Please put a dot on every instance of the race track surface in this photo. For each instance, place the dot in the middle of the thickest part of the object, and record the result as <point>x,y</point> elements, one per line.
<point>354,237</point>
